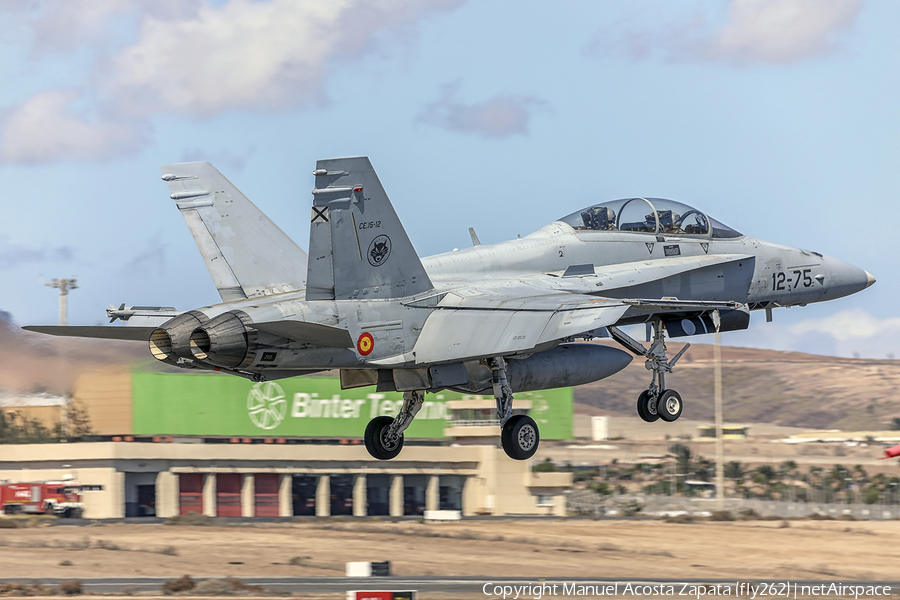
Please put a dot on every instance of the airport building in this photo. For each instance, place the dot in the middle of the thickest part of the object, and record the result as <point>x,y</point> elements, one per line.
<point>224,446</point>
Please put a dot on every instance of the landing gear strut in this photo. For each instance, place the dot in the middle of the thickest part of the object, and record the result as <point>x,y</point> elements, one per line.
<point>384,435</point>
<point>519,434</point>
<point>656,402</point>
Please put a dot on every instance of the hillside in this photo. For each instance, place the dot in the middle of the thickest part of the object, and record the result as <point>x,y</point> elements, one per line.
<point>765,386</point>
<point>36,362</point>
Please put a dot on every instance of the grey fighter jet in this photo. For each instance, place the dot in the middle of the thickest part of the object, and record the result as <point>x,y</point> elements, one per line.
<point>497,318</point>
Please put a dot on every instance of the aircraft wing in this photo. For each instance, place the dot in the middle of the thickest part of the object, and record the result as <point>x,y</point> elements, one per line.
<point>95,331</point>
<point>477,322</point>
<point>468,327</point>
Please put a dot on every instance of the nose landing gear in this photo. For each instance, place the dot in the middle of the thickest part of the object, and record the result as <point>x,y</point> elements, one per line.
<point>669,405</point>
<point>647,407</point>
<point>656,402</point>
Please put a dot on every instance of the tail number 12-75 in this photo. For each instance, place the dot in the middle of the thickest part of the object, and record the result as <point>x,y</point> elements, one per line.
<point>784,282</point>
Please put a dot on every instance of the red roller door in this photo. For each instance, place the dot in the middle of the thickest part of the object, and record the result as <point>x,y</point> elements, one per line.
<point>266,495</point>
<point>228,494</point>
<point>190,493</point>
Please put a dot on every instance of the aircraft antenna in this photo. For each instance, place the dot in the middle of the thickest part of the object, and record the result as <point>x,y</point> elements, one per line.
<point>63,285</point>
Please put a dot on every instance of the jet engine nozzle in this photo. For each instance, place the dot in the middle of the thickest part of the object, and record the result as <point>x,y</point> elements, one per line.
<point>225,341</point>
<point>172,340</point>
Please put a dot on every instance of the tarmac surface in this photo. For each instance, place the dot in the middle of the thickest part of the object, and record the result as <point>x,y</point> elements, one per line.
<point>465,585</point>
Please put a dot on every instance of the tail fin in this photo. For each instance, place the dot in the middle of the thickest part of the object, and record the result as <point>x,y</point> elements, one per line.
<point>357,245</point>
<point>246,253</point>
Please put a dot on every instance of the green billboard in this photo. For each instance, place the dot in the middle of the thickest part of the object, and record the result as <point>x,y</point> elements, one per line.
<point>216,405</point>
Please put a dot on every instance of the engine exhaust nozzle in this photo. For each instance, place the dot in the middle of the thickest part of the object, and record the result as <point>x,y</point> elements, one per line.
<point>172,340</point>
<point>225,341</point>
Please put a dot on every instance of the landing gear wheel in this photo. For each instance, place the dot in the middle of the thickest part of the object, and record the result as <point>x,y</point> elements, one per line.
<point>377,442</point>
<point>520,437</point>
<point>669,406</point>
<point>647,407</point>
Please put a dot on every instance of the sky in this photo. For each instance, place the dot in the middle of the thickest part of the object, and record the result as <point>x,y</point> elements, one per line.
<point>779,118</point>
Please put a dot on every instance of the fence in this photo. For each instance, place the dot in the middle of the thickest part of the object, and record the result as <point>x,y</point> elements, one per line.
<point>590,503</point>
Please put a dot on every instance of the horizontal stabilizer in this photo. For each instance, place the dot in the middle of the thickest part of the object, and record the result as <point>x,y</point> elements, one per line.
<point>310,333</point>
<point>95,331</point>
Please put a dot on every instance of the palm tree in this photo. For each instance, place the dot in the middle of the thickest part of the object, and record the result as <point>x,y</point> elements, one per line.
<point>814,479</point>
<point>788,471</point>
<point>734,471</point>
<point>765,476</point>
<point>682,455</point>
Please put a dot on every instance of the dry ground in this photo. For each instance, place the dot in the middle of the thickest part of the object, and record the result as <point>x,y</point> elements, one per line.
<point>529,548</point>
<point>764,386</point>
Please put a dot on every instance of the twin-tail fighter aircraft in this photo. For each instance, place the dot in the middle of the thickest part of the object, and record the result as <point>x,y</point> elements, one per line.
<point>503,317</point>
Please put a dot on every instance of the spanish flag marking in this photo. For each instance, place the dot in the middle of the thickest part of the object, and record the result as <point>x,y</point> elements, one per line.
<point>365,344</point>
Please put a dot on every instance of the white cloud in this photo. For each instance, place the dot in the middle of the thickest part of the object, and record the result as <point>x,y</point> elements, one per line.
<point>46,128</point>
<point>62,25</point>
<point>65,25</point>
<point>755,32</point>
<point>850,325</point>
<point>250,55</point>
<point>852,332</point>
<point>781,31</point>
<point>191,58</point>
<point>501,116</point>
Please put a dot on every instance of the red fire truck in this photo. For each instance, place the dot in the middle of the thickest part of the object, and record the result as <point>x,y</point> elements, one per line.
<point>61,498</point>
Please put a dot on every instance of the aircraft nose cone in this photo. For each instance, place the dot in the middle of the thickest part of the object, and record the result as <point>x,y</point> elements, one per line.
<point>842,278</point>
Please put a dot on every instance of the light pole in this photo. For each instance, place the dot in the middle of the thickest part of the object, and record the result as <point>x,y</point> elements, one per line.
<point>717,397</point>
<point>63,285</point>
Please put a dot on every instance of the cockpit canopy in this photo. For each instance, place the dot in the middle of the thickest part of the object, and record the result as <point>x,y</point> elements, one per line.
<point>648,215</point>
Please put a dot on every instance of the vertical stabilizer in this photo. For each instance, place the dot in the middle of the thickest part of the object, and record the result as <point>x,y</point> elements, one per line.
<point>246,253</point>
<point>357,245</point>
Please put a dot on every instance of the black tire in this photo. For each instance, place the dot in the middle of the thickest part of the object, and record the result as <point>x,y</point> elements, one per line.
<point>643,408</point>
<point>376,443</point>
<point>504,436</point>
<point>520,437</point>
<point>670,405</point>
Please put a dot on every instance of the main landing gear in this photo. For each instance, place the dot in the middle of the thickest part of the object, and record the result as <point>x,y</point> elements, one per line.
<point>519,434</point>
<point>384,435</point>
<point>656,402</point>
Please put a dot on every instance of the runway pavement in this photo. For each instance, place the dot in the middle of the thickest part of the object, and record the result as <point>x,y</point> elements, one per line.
<point>467,585</point>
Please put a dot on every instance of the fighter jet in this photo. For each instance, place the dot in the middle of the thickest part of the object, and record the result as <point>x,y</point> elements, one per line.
<point>494,318</point>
